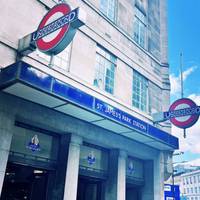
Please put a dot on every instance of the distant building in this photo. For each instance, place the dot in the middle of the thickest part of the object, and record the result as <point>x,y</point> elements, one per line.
<point>188,178</point>
<point>190,185</point>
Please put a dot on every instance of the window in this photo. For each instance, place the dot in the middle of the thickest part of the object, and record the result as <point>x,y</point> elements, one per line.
<point>22,140</point>
<point>139,91</point>
<point>91,157</point>
<point>60,60</point>
<point>108,8</point>
<point>105,70</point>
<point>190,180</point>
<point>134,168</point>
<point>139,33</point>
<point>194,179</point>
<point>184,181</point>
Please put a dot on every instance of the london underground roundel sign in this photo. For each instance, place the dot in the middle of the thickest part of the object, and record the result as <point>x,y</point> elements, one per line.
<point>183,113</point>
<point>57,29</point>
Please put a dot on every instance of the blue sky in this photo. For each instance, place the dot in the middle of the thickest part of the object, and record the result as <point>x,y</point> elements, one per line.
<point>184,36</point>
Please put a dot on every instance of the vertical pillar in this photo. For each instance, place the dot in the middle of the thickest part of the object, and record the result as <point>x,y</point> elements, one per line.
<point>71,180</point>
<point>115,187</point>
<point>121,177</point>
<point>159,176</point>
<point>6,126</point>
<point>147,192</point>
<point>58,180</point>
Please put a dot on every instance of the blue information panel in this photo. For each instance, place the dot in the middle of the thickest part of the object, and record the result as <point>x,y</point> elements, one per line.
<point>171,192</point>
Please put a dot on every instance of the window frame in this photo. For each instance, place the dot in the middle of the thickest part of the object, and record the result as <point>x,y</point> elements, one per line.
<point>108,7</point>
<point>143,87</point>
<point>47,58</point>
<point>101,70</point>
<point>140,19</point>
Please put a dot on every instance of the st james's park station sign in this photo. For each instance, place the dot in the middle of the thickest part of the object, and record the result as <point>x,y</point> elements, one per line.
<point>56,30</point>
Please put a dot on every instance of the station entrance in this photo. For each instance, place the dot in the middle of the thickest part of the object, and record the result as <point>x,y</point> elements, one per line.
<point>24,183</point>
<point>89,188</point>
<point>133,192</point>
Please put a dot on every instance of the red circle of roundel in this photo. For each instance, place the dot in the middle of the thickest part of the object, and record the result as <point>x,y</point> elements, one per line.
<point>46,46</point>
<point>191,120</point>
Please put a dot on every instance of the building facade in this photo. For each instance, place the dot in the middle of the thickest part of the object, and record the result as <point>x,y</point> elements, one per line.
<point>79,125</point>
<point>190,185</point>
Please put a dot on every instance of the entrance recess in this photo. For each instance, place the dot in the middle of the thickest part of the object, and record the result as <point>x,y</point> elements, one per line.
<point>133,192</point>
<point>24,183</point>
<point>89,189</point>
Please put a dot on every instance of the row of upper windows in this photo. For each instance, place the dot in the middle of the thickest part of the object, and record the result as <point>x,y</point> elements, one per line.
<point>193,198</point>
<point>191,180</point>
<point>146,96</point>
<point>147,36</point>
<point>139,34</point>
<point>192,190</point>
<point>108,7</point>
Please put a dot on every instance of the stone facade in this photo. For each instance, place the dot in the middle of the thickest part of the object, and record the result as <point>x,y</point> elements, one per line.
<point>20,115</point>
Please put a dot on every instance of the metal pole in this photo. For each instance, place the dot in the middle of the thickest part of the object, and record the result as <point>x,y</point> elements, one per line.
<point>181,73</point>
<point>184,133</point>
<point>51,62</point>
<point>173,184</point>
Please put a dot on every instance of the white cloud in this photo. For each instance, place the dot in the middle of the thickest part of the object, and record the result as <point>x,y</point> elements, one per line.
<point>191,163</point>
<point>187,72</point>
<point>195,98</point>
<point>192,141</point>
<point>176,81</point>
<point>195,162</point>
<point>175,84</point>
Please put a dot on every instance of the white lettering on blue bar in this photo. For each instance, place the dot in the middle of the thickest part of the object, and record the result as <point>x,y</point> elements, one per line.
<point>182,112</point>
<point>120,116</point>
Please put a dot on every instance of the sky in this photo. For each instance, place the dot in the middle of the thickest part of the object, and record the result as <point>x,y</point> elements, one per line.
<point>184,36</point>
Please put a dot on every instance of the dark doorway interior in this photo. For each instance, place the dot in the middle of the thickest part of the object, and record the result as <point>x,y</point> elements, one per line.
<point>89,189</point>
<point>132,192</point>
<point>24,183</point>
